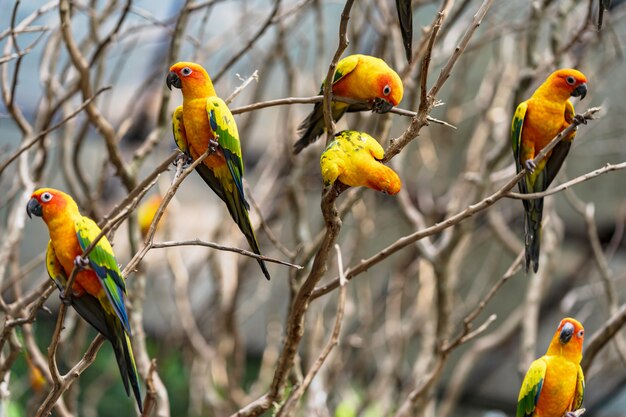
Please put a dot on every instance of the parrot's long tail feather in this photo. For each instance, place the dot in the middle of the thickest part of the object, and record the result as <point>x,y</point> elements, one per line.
<point>313,126</point>
<point>238,209</point>
<point>310,129</point>
<point>532,226</point>
<point>125,360</point>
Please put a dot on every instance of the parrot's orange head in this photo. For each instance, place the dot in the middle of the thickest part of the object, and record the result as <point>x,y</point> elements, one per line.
<point>570,331</point>
<point>48,203</point>
<point>568,339</point>
<point>570,81</point>
<point>191,78</point>
<point>390,91</point>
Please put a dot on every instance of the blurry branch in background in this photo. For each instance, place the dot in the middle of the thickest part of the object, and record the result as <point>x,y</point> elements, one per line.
<point>287,409</point>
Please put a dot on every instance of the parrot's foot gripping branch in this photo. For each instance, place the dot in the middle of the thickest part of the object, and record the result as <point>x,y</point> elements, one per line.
<point>530,166</point>
<point>580,119</point>
<point>66,297</point>
<point>81,263</point>
<point>187,160</point>
<point>213,145</point>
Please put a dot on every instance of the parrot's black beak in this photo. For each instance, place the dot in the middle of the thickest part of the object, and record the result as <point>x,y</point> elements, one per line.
<point>566,333</point>
<point>33,207</point>
<point>173,80</point>
<point>381,106</point>
<point>580,91</point>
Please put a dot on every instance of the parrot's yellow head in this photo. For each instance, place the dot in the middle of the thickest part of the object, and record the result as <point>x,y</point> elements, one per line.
<point>568,339</point>
<point>568,82</point>
<point>191,78</point>
<point>49,203</point>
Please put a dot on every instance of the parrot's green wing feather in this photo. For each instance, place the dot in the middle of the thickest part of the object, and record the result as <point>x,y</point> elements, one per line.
<point>103,262</point>
<point>345,67</point>
<point>178,128</point>
<point>579,394</point>
<point>531,388</point>
<point>86,305</point>
<point>225,129</point>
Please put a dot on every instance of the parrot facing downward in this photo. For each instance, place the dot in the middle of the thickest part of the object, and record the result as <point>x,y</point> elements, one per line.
<point>99,289</point>
<point>353,158</point>
<point>204,121</point>
<point>535,123</point>
<point>359,77</point>
<point>554,385</point>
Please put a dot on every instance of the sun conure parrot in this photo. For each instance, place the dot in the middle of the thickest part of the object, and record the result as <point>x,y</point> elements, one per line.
<point>535,123</point>
<point>203,121</point>
<point>99,289</point>
<point>354,159</point>
<point>554,384</point>
<point>359,77</point>
<point>146,212</point>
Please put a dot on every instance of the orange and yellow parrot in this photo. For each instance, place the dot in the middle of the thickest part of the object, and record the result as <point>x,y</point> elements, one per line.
<point>554,385</point>
<point>146,212</point>
<point>359,77</point>
<point>535,123</point>
<point>354,159</point>
<point>99,289</point>
<point>204,121</point>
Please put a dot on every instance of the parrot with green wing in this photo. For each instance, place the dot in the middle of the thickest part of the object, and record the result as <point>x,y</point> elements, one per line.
<point>554,385</point>
<point>358,77</point>
<point>99,289</point>
<point>535,123</point>
<point>354,159</point>
<point>204,121</point>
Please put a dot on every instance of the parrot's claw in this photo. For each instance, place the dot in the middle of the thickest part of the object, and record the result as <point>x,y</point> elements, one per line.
<point>65,298</point>
<point>187,159</point>
<point>580,119</point>
<point>81,263</point>
<point>530,166</point>
<point>213,145</point>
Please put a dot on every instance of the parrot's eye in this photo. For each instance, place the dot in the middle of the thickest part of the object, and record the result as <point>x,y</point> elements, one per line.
<point>581,333</point>
<point>45,197</point>
<point>570,80</point>
<point>387,90</point>
<point>186,71</point>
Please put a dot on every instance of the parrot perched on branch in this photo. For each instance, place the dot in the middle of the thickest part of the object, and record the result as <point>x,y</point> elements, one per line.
<point>359,77</point>
<point>98,291</point>
<point>554,385</point>
<point>353,158</point>
<point>535,123</point>
<point>204,121</point>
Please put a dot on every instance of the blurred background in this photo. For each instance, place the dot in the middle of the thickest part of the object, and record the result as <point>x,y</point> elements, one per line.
<point>207,322</point>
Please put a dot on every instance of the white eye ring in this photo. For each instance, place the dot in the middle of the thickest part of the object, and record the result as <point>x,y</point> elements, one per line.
<point>570,80</point>
<point>45,197</point>
<point>581,333</point>
<point>186,71</point>
<point>387,90</point>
